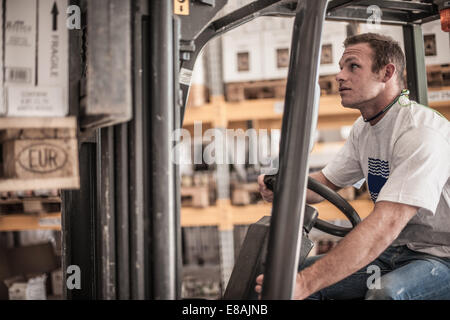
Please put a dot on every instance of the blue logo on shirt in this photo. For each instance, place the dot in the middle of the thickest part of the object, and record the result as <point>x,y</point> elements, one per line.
<point>377,177</point>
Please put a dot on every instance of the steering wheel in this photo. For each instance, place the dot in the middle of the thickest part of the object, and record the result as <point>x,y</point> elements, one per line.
<point>335,198</point>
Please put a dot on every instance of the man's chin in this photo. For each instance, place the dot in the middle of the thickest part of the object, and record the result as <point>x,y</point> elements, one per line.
<point>348,104</point>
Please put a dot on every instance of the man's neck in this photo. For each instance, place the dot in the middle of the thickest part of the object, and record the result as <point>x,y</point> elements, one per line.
<point>376,105</point>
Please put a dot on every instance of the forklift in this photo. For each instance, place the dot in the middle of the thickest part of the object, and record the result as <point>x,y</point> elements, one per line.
<point>122,228</point>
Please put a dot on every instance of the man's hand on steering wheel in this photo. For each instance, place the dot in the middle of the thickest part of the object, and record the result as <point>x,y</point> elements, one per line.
<point>266,193</point>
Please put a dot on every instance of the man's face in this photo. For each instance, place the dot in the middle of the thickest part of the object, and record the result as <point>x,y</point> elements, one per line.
<point>357,83</point>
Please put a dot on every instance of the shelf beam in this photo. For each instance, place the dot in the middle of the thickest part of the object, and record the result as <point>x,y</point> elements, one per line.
<point>225,215</point>
<point>21,222</point>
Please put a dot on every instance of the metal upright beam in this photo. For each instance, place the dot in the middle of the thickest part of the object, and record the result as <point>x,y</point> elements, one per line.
<point>122,210</point>
<point>106,243</point>
<point>78,228</point>
<point>161,175</point>
<point>177,175</point>
<point>416,73</point>
<point>289,202</point>
<point>78,207</point>
<point>137,157</point>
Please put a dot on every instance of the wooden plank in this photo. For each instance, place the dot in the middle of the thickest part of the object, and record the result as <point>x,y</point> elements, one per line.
<point>327,211</point>
<point>244,215</point>
<point>37,184</point>
<point>193,217</point>
<point>198,196</point>
<point>24,123</point>
<point>19,222</point>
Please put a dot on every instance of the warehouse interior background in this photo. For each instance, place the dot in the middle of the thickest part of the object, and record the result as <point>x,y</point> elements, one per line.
<point>250,64</point>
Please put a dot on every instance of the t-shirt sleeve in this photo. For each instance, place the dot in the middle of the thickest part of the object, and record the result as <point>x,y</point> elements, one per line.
<point>419,169</point>
<point>345,168</point>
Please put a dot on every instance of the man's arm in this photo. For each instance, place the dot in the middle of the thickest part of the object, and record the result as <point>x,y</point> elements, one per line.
<point>360,247</point>
<point>311,197</point>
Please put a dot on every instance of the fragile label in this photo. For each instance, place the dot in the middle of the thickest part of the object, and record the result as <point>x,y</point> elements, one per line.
<point>53,43</point>
<point>35,101</point>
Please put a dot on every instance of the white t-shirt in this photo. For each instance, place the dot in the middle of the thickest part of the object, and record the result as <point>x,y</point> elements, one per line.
<point>404,158</point>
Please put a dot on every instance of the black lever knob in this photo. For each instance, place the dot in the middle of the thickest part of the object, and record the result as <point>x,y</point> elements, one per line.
<point>270,180</point>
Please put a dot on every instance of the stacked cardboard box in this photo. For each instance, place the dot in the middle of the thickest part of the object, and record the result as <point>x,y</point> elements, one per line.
<point>35,58</point>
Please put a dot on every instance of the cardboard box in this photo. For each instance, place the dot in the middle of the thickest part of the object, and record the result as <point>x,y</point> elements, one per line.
<point>332,40</point>
<point>57,282</point>
<point>36,58</point>
<point>277,46</point>
<point>20,42</point>
<point>32,288</point>
<point>242,57</point>
<point>31,261</point>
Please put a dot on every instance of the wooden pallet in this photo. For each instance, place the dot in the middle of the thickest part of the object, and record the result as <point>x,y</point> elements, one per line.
<point>37,221</point>
<point>30,205</point>
<point>197,197</point>
<point>438,75</point>
<point>348,193</point>
<point>38,153</point>
<point>266,89</point>
<point>328,84</point>
<point>242,194</point>
<point>197,95</point>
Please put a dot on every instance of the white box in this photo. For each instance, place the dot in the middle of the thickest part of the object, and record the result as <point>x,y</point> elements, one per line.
<point>334,34</point>
<point>442,43</point>
<point>277,45</point>
<point>33,289</point>
<point>235,44</point>
<point>57,282</point>
<point>36,58</point>
<point>20,42</point>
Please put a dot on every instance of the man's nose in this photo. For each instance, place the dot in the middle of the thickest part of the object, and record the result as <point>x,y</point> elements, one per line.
<point>340,76</point>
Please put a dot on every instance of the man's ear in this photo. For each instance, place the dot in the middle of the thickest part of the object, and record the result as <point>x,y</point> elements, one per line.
<point>389,72</point>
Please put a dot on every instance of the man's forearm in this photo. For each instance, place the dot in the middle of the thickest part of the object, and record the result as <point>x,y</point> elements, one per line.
<point>360,247</point>
<point>312,197</point>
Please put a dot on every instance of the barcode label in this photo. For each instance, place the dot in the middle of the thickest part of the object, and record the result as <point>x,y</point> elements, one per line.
<point>18,75</point>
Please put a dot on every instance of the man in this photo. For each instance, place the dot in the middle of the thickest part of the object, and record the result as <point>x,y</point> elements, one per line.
<point>402,150</point>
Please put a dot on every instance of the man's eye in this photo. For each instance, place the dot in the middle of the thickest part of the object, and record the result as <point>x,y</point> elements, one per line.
<point>354,66</point>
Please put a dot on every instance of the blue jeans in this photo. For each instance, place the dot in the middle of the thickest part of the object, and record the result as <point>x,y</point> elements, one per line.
<point>405,275</point>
